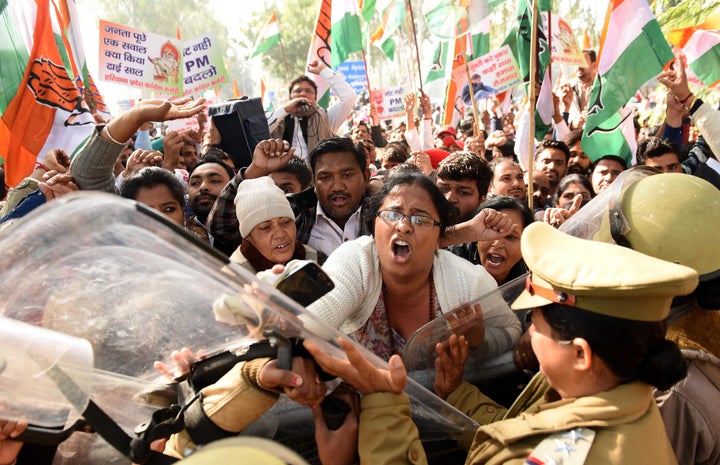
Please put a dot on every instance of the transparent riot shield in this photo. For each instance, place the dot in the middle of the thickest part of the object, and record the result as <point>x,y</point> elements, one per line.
<point>120,276</point>
<point>483,367</point>
<point>29,358</point>
<point>603,214</point>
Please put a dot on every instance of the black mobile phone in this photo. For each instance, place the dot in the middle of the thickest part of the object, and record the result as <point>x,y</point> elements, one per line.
<point>306,284</point>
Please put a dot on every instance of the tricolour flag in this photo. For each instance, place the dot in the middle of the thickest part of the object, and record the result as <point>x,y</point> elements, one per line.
<point>681,36</point>
<point>393,17</point>
<point>367,9</point>
<point>480,39</point>
<point>438,67</point>
<point>703,56</point>
<point>346,34</point>
<point>269,37</point>
<point>450,19</point>
<point>40,106</point>
<point>632,51</point>
<point>451,114</point>
<point>519,41</point>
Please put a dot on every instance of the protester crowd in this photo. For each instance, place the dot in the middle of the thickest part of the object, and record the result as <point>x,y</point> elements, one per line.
<point>412,219</point>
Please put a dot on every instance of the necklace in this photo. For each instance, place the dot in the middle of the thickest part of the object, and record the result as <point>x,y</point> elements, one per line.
<point>431,312</point>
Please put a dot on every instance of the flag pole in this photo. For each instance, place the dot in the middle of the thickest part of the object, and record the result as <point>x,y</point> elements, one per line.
<point>367,75</point>
<point>472,97</point>
<point>414,33</point>
<point>365,63</point>
<point>532,97</point>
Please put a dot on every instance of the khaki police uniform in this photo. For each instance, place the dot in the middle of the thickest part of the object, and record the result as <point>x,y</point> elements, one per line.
<point>232,403</point>
<point>620,426</point>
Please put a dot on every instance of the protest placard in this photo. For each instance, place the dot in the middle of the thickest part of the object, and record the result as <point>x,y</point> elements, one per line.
<point>389,102</point>
<point>159,63</point>
<point>490,74</point>
<point>563,44</point>
<point>203,65</point>
<point>140,59</point>
<point>354,72</point>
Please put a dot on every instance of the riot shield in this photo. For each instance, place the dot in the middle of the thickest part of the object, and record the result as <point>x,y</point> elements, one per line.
<point>136,287</point>
<point>483,368</point>
<point>596,219</point>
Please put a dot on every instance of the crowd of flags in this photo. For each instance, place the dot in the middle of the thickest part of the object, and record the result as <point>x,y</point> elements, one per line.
<point>45,72</point>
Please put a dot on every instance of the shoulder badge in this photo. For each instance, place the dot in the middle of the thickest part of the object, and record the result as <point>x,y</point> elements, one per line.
<point>569,447</point>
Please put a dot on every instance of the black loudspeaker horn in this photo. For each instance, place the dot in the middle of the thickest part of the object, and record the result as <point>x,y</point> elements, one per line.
<point>242,126</point>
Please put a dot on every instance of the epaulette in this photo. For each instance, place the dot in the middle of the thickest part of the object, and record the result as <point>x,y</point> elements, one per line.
<point>569,447</point>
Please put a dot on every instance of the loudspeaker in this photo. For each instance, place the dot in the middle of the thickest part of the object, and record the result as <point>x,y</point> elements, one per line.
<point>242,126</point>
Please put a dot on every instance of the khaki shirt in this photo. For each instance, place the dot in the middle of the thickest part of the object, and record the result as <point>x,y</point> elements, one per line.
<point>626,420</point>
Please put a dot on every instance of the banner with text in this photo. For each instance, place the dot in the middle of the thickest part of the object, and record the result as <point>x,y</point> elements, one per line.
<point>492,73</point>
<point>203,65</point>
<point>141,59</point>
<point>159,63</point>
<point>354,72</point>
<point>389,102</point>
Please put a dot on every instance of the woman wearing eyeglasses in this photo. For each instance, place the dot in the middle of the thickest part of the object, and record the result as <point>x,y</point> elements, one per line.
<point>390,284</point>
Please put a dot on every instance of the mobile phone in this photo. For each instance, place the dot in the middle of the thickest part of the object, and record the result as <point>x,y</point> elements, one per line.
<point>304,282</point>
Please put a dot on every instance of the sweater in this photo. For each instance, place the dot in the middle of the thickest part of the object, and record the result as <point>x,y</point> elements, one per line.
<point>355,269</point>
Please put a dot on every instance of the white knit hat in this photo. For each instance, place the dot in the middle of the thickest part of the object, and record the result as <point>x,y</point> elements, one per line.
<point>260,200</point>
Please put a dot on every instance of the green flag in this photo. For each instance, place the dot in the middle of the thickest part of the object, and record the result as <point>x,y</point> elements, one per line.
<point>519,41</point>
<point>346,33</point>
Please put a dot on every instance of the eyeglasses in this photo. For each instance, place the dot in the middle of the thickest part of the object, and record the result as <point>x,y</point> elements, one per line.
<point>392,216</point>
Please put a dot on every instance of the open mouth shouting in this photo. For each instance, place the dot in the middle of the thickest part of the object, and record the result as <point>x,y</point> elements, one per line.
<point>494,260</point>
<point>401,251</point>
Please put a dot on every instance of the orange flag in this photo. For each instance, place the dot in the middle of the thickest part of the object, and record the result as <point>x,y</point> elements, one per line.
<point>459,51</point>
<point>586,44</point>
<point>236,91</point>
<point>679,37</point>
<point>41,107</point>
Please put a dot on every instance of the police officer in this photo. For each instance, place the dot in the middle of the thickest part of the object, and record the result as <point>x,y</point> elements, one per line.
<point>676,217</point>
<point>598,331</point>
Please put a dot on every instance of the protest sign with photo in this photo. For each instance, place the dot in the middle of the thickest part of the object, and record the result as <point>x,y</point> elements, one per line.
<point>140,59</point>
<point>159,63</point>
<point>490,74</point>
<point>563,44</point>
<point>389,102</point>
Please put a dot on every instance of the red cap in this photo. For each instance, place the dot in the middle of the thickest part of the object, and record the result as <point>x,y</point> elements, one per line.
<point>436,156</point>
<point>449,141</point>
<point>450,129</point>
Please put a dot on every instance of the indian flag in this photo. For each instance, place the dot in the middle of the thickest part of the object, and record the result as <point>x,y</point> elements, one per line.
<point>367,9</point>
<point>40,106</point>
<point>519,40</point>
<point>269,37</point>
<point>393,17</point>
<point>450,19</point>
<point>438,68</point>
<point>632,51</point>
<point>703,56</point>
<point>480,39</point>
<point>346,34</point>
